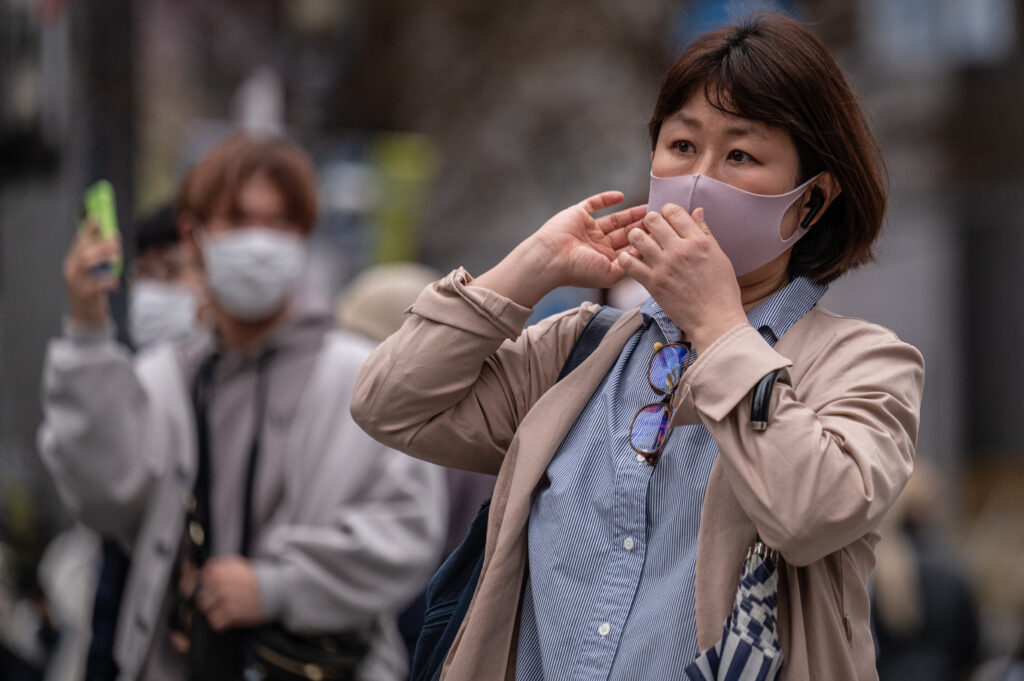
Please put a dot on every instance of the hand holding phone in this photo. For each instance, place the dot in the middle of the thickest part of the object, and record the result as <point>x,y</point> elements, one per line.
<point>93,263</point>
<point>99,207</point>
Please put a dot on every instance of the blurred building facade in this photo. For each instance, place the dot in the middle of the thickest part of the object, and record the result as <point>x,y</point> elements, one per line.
<point>447,131</point>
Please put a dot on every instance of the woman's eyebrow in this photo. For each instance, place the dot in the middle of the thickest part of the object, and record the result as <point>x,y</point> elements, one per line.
<point>745,131</point>
<point>688,120</point>
<point>733,130</point>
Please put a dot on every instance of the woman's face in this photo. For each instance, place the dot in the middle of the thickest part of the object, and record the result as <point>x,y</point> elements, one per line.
<point>746,154</point>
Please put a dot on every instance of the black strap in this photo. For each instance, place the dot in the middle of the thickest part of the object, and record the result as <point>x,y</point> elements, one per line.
<point>762,398</point>
<point>451,589</point>
<point>248,510</point>
<point>199,511</point>
<point>201,396</point>
<point>591,336</point>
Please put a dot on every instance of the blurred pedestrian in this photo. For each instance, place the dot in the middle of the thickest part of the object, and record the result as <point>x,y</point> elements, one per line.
<point>165,293</point>
<point>375,304</point>
<point>632,492</point>
<point>924,615</point>
<point>165,304</point>
<point>267,533</point>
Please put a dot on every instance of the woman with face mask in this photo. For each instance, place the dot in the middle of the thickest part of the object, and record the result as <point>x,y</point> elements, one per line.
<point>728,423</point>
<point>266,531</point>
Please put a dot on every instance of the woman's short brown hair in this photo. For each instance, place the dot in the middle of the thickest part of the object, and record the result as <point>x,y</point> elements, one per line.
<point>222,173</point>
<point>771,69</point>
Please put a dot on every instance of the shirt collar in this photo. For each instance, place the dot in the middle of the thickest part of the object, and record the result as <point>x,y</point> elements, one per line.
<point>773,315</point>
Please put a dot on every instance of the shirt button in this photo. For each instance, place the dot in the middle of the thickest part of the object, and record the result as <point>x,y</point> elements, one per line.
<point>628,543</point>
<point>604,629</point>
<point>640,458</point>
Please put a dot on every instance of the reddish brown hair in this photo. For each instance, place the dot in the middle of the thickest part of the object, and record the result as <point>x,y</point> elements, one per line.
<point>771,69</point>
<point>222,173</point>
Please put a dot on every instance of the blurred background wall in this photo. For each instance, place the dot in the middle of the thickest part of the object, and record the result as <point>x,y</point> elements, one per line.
<point>447,131</point>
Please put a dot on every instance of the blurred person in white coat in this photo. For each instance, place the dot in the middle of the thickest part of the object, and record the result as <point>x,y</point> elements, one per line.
<point>172,452</point>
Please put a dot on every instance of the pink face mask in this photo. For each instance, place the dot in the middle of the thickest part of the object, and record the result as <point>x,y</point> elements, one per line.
<point>747,226</point>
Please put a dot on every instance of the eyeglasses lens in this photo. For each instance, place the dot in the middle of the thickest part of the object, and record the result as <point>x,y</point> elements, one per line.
<point>667,367</point>
<point>650,427</point>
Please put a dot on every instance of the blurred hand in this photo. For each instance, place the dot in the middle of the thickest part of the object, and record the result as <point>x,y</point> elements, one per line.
<point>87,290</point>
<point>230,594</point>
<point>571,249</point>
<point>682,266</point>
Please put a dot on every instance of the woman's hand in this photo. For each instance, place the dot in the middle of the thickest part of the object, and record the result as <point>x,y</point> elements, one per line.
<point>571,249</point>
<point>684,269</point>
<point>88,288</point>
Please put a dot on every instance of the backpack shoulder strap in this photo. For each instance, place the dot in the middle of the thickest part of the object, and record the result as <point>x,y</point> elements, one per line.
<point>452,587</point>
<point>592,335</point>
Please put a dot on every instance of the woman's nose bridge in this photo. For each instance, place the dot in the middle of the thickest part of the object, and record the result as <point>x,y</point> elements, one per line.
<point>706,164</point>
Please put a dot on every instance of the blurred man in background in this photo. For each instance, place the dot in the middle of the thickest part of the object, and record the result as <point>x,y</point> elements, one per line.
<point>256,512</point>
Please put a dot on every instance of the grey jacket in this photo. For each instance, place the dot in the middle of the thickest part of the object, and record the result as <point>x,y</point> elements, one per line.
<point>355,535</point>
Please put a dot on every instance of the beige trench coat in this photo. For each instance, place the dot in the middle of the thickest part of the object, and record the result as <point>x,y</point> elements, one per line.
<point>463,385</point>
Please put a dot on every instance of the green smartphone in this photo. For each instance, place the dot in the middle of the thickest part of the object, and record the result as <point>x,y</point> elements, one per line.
<point>98,203</point>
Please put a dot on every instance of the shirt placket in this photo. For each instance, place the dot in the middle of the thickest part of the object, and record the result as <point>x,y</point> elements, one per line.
<point>624,570</point>
<point>622,573</point>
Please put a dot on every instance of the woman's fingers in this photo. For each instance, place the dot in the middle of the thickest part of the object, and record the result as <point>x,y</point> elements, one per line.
<point>619,238</point>
<point>646,246</point>
<point>660,229</point>
<point>622,218</point>
<point>600,201</point>
<point>680,221</point>
<point>698,217</point>
<point>632,263</point>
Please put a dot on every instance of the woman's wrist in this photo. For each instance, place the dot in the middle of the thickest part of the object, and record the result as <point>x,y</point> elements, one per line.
<point>524,276</point>
<point>704,336</point>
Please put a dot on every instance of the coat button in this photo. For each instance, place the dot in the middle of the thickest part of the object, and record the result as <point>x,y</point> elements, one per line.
<point>196,534</point>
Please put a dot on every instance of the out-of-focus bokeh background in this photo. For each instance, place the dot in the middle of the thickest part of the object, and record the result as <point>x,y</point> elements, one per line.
<point>446,131</point>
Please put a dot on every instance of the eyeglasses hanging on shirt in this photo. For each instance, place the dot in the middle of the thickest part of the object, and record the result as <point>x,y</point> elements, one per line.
<point>649,429</point>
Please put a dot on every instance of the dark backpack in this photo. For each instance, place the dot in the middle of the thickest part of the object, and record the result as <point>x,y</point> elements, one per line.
<point>452,586</point>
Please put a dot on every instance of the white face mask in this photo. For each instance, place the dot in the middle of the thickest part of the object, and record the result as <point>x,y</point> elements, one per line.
<point>252,271</point>
<point>159,312</point>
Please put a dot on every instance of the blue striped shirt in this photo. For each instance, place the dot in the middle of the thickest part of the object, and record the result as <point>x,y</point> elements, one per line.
<point>613,541</point>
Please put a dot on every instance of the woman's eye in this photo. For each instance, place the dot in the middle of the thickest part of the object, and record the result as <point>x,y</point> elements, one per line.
<point>740,156</point>
<point>684,147</point>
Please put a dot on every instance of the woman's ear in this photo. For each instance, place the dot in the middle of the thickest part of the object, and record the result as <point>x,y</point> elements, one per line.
<point>822,193</point>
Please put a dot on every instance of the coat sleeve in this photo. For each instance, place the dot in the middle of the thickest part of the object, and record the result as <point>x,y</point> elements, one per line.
<point>840,446</point>
<point>361,526</point>
<point>95,417</point>
<point>452,385</point>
